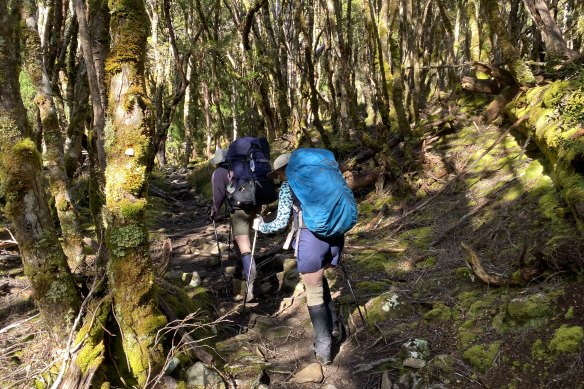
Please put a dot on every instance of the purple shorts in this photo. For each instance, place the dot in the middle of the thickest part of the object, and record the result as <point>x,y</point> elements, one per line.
<point>314,252</point>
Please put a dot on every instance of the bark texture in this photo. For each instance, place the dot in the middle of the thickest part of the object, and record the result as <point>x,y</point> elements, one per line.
<point>53,156</point>
<point>129,133</point>
<point>44,262</point>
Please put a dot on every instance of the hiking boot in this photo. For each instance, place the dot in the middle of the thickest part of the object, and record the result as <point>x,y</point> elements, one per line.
<point>319,316</point>
<point>249,291</point>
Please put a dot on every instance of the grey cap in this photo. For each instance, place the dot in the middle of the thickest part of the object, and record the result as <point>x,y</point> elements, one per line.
<point>220,156</point>
<point>280,163</point>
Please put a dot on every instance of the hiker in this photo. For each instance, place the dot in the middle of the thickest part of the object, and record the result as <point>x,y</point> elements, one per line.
<point>314,252</point>
<point>241,179</point>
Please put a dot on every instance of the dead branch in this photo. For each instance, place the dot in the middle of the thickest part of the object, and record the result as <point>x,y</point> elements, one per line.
<point>156,191</point>
<point>197,350</point>
<point>165,257</point>
<point>474,262</point>
<point>390,250</point>
<point>8,244</point>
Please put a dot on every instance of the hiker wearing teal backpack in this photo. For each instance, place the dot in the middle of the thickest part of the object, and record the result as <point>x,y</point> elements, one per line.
<point>315,193</point>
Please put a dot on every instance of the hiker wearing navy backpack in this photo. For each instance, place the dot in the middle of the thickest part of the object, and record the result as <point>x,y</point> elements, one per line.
<point>315,193</point>
<point>245,187</point>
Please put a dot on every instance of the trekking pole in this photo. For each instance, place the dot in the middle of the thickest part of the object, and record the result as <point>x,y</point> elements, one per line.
<point>251,261</point>
<point>219,250</point>
<point>353,293</point>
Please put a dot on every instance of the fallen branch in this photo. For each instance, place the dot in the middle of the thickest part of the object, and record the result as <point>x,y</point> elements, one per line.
<point>474,262</point>
<point>378,249</point>
<point>17,324</point>
<point>8,244</point>
<point>156,191</point>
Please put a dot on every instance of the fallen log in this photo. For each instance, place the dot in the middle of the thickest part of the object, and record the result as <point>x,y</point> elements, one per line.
<point>502,75</point>
<point>358,181</point>
<point>476,85</point>
<point>497,106</point>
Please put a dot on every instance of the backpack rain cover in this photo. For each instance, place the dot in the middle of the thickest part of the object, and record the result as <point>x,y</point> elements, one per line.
<point>328,205</point>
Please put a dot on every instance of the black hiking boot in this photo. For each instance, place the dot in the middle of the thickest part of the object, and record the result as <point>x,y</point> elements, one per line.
<point>319,316</point>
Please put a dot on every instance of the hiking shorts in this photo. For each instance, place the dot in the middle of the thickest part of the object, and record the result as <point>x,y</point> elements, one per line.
<point>314,252</point>
<point>242,220</point>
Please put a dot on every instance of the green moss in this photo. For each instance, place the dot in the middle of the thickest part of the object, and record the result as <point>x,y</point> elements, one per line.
<point>538,351</point>
<point>569,313</point>
<point>91,334</point>
<point>371,287</point>
<point>482,308</point>
<point>482,356</point>
<point>419,237</point>
<point>463,272</point>
<point>365,209</point>
<point>371,261</point>
<point>427,263</point>
<point>388,306</point>
<point>567,340</point>
<point>132,209</point>
<point>439,311</point>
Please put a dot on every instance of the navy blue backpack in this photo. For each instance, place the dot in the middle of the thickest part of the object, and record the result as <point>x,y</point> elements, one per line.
<point>249,163</point>
<point>328,205</point>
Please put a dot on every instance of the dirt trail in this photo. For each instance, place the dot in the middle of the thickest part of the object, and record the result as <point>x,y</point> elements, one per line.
<point>275,325</point>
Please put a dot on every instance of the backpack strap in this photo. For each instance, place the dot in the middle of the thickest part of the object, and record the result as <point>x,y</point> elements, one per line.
<point>297,226</point>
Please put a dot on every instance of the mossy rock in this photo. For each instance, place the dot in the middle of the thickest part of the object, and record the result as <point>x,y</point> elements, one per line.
<point>567,340</point>
<point>530,310</point>
<point>482,356</point>
<point>388,306</point>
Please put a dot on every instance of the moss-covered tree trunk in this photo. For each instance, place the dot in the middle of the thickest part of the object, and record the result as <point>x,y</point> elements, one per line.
<point>129,141</point>
<point>26,206</point>
<point>53,157</point>
<point>519,68</point>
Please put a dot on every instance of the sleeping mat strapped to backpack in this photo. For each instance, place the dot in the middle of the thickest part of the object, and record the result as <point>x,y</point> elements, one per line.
<point>328,205</point>
<point>249,163</point>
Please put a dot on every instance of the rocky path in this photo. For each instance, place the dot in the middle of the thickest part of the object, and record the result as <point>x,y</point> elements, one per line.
<point>269,342</point>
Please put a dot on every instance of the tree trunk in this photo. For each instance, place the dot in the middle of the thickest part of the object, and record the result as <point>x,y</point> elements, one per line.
<point>130,134</point>
<point>311,76</point>
<point>519,68</point>
<point>555,43</point>
<point>26,206</point>
<point>53,158</point>
<point>188,121</point>
<point>382,83</point>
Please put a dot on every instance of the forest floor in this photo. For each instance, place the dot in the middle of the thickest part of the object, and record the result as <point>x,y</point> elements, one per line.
<point>411,279</point>
<point>409,273</point>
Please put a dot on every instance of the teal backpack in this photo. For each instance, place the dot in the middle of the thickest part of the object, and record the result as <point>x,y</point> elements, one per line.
<point>328,205</point>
